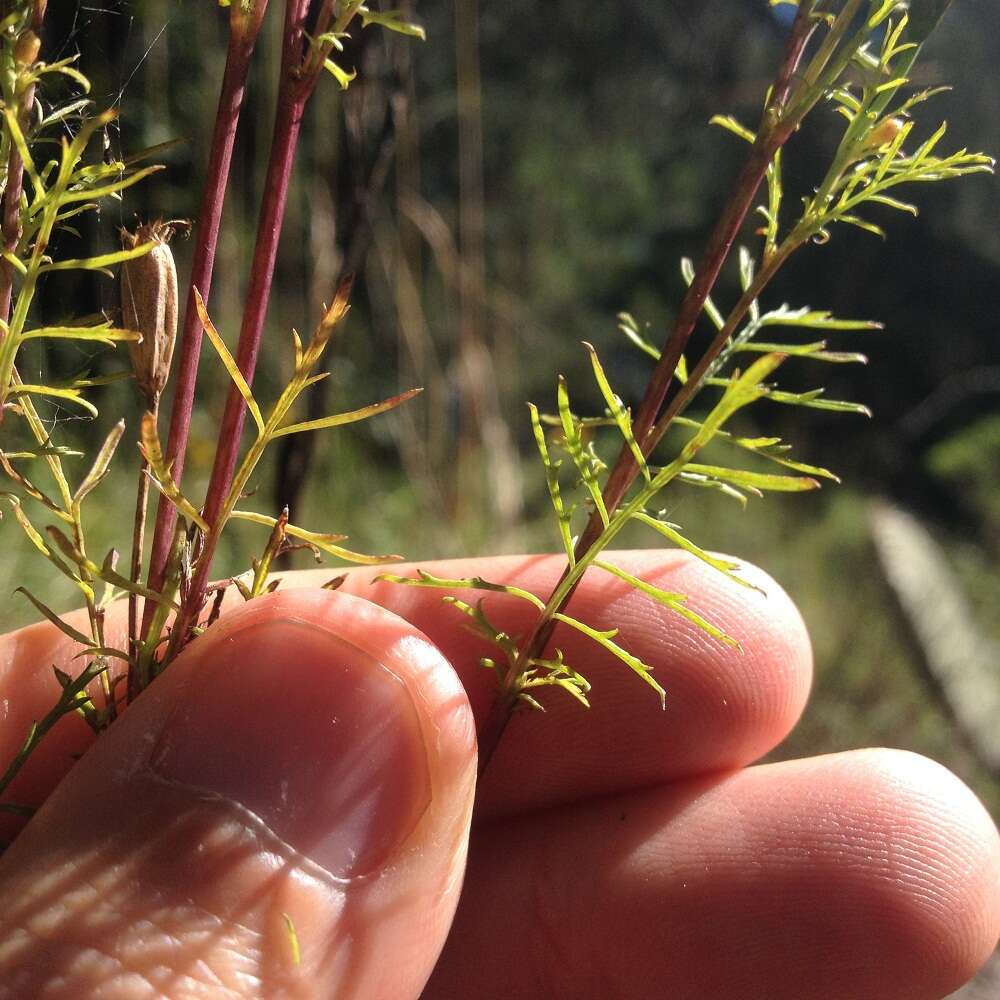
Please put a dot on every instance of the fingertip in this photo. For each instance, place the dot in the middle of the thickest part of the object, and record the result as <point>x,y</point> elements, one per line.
<point>765,680</point>
<point>943,871</point>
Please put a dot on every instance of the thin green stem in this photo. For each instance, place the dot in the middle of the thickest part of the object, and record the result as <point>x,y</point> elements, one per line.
<point>14,187</point>
<point>138,539</point>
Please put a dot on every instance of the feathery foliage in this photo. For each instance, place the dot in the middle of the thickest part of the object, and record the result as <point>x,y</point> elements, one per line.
<point>56,170</point>
<point>853,57</point>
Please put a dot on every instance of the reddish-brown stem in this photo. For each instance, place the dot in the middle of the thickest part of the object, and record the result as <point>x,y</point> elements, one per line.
<point>798,38</point>
<point>491,731</point>
<point>647,431</point>
<point>293,94</point>
<point>242,39</point>
<point>773,134</point>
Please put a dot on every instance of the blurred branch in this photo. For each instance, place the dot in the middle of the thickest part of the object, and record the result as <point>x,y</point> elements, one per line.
<point>957,656</point>
<point>952,391</point>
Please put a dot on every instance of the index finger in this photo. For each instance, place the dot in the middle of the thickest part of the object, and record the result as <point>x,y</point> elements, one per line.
<point>725,707</point>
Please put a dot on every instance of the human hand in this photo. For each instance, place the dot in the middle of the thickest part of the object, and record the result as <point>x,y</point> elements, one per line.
<point>314,756</point>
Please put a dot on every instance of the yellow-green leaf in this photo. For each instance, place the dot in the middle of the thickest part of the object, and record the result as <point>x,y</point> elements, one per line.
<point>229,361</point>
<point>424,579</point>
<point>48,613</point>
<point>325,542</point>
<point>618,411</point>
<point>675,602</point>
<point>605,639</point>
<point>338,419</point>
<point>755,480</point>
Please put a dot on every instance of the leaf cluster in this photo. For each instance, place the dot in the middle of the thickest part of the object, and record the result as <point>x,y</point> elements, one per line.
<point>859,65</point>
<point>56,155</point>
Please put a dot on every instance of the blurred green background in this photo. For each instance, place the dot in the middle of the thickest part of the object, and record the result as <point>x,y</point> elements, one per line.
<point>517,180</point>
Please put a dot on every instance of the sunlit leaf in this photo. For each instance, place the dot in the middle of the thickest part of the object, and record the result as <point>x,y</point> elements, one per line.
<point>342,77</point>
<point>606,639</point>
<point>149,445</point>
<point>228,361</point>
<point>322,541</point>
<point>104,333</point>
<point>563,515</point>
<point>670,532</point>
<point>756,480</point>
<point>295,953</point>
<point>730,124</point>
<point>675,602</point>
<point>628,326</point>
<point>352,416</point>
<point>99,263</point>
<point>574,448</point>
<point>703,482</point>
<point>69,395</point>
<point>393,20</point>
<point>815,319</point>
<point>424,579</point>
<point>47,612</point>
<point>618,412</point>
<point>102,462</point>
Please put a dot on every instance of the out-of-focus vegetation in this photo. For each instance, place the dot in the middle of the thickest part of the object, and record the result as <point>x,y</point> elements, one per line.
<point>545,167</point>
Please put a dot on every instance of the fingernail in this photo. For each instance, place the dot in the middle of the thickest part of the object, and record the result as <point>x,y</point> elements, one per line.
<point>311,734</point>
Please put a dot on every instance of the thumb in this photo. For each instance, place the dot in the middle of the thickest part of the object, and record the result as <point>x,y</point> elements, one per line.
<point>285,813</point>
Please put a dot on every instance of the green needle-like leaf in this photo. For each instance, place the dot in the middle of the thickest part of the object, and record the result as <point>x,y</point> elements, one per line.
<point>671,533</point>
<point>675,602</point>
<point>755,480</point>
<point>103,332</point>
<point>75,634</point>
<point>352,416</point>
<point>322,541</point>
<point>424,579</point>
<point>149,445</point>
<point>552,480</point>
<point>618,411</point>
<point>229,361</point>
<point>574,447</point>
<point>100,263</point>
<point>393,20</point>
<point>69,395</point>
<point>102,462</point>
<point>605,639</point>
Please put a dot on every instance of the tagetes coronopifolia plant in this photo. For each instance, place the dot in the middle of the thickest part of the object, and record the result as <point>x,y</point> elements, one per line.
<point>847,60</point>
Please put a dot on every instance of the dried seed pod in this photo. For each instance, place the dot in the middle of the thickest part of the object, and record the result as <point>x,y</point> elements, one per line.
<point>149,305</point>
<point>884,133</point>
<point>26,48</point>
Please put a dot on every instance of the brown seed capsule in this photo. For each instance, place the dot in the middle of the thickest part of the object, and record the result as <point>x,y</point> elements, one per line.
<point>26,48</point>
<point>884,133</point>
<point>149,305</point>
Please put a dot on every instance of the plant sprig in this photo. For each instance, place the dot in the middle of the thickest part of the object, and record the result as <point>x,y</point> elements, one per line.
<point>826,44</point>
<point>54,193</point>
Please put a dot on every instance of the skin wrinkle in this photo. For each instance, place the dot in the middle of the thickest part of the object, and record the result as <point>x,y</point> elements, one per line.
<point>130,959</point>
<point>902,857</point>
<point>742,860</point>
